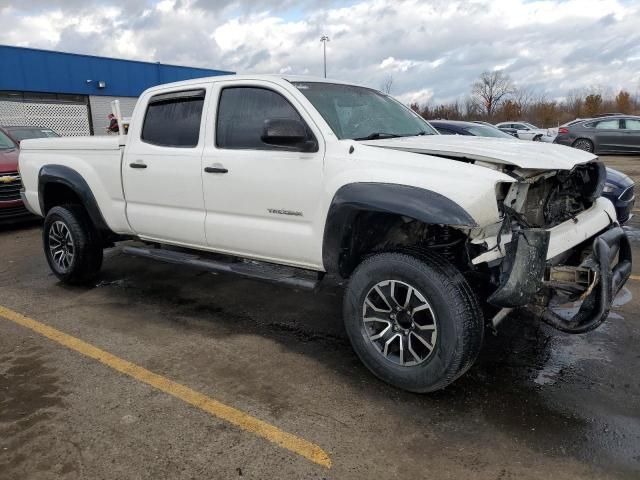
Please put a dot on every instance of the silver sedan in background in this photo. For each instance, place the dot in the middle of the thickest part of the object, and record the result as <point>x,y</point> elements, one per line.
<point>611,134</point>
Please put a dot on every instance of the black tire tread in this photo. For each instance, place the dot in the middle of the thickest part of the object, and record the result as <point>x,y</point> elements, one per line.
<point>88,245</point>
<point>472,305</point>
<point>467,309</point>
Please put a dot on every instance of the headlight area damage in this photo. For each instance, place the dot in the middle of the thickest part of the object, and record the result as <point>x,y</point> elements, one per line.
<point>558,243</point>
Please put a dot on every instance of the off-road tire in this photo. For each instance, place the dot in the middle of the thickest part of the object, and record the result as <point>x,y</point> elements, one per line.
<point>583,144</point>
<point>87,257</point>
<point>456,309</point>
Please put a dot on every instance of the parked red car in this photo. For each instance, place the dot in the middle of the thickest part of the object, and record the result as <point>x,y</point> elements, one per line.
<point>11,207</point>
<point>19,133</point>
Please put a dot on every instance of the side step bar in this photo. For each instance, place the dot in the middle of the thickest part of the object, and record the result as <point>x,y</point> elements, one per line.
<point>293,277</point>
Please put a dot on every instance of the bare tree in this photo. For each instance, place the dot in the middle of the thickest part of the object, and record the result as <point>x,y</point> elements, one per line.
<point>471,108</point>
<point>491,89</point>
<point>387,84</point>
<point>575,103</point>
<point>523,97</point>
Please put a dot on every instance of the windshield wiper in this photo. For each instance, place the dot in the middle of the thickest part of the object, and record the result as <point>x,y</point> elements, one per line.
<point>377,135</point>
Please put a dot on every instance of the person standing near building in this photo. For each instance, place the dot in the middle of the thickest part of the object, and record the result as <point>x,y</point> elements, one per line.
<point>113,124</point>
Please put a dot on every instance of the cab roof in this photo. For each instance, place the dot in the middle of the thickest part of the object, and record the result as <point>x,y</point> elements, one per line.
<point>277,78</point>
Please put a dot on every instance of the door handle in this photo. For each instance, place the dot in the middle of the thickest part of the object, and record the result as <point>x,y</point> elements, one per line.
<point>138,164</point>
<point>215,170</point>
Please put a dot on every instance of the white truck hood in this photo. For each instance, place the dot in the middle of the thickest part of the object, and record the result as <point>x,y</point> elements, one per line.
<point>525,155</point>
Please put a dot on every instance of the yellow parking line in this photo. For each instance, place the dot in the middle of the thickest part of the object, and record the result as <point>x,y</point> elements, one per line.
<point>232,415</point>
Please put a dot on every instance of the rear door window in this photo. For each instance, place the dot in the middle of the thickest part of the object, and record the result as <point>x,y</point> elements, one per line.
<point>631,124</point>
<point>608,125</point>
<point>173,119</point>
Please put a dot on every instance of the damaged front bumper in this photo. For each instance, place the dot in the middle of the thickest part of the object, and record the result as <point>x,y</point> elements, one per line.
<point>531,275</point>
<point>610,263</point>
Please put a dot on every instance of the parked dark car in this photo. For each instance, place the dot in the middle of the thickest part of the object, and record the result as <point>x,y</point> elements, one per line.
<point>611,134</point>
<point>11,207</point>
<point>19,133</point>
<point>451,127</point>
<point>620,189</point>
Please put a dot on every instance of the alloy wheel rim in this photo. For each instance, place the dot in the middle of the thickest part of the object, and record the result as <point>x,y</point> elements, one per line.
<point>399,322</point>
<point>583,145</point>
<point>61,245</point>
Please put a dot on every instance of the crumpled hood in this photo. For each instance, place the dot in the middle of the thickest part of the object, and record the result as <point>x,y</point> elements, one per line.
<point>523,154</point>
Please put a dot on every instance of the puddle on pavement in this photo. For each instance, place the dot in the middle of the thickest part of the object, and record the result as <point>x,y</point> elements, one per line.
<point>566,351</point>
<point>30,397</point>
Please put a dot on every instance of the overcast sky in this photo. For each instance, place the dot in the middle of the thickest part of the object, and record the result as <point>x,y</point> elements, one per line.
<point>433,49</point>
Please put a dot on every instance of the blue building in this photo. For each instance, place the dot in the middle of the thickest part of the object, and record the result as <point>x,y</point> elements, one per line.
<point>72,93</point>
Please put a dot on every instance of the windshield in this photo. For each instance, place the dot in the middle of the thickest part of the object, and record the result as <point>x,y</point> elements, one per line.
<point>531,126</point>
<point>360,113</point>
<point>484,131</point>
<point>5,142</point>
<point>22,133</point>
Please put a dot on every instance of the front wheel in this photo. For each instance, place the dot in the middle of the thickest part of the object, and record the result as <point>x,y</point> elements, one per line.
<point>414,322</point>
<point>71,244</point>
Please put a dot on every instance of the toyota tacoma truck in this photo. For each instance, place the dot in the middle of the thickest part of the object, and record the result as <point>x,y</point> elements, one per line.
<point>290,178</point>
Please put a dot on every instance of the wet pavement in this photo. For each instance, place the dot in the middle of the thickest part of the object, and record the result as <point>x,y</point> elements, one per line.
<point>537,404</point>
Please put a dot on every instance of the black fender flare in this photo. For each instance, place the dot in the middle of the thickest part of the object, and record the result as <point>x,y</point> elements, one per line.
<point>62,175</point>
<point>418,203</point>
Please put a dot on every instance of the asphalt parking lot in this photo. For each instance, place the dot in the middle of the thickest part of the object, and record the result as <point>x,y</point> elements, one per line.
<point>160,371</point>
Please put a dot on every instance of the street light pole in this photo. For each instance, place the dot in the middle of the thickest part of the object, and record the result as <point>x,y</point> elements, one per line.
<point>324,39</point>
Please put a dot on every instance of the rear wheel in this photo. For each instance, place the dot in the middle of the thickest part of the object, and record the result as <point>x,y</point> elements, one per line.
<point>414,322</point>
<point>583,144</point>
<point>71,244</point>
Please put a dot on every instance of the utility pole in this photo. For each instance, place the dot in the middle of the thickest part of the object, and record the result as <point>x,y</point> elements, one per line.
<point>324,39</point>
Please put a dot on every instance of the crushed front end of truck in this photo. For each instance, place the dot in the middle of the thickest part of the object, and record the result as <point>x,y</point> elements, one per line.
<point>558,243</point>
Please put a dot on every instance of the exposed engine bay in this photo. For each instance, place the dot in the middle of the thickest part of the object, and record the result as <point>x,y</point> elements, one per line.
<point>549,199</point>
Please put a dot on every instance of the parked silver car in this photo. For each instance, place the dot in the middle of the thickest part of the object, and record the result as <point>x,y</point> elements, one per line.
<point>611,134</point>
<point>526,131</point>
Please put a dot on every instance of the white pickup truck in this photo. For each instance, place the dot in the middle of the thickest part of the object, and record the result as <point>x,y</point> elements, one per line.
<point>434,233</point>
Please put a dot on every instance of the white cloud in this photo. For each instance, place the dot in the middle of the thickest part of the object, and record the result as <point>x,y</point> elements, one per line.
<point>434,50</point>
<point>420,97</point>
<point>391,63</point>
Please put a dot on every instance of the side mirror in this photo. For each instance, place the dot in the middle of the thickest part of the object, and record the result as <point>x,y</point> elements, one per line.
<point>284,132</point>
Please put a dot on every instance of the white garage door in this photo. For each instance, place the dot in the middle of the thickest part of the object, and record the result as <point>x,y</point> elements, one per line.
<point>67,119</point>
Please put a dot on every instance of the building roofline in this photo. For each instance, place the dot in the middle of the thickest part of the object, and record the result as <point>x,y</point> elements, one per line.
<point>85,55</point>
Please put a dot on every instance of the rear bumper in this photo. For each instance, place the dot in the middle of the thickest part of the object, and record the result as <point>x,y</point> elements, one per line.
<point>25,202</point>
<point>563,140</point>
